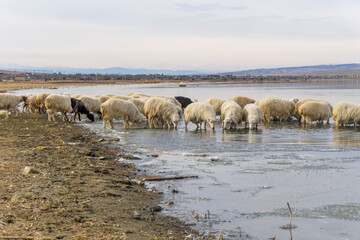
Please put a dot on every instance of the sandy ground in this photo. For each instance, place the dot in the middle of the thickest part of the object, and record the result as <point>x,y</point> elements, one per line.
<point>75,188</point>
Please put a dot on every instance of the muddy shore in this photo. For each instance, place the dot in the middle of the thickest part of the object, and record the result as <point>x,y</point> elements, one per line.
<point>60,181</point>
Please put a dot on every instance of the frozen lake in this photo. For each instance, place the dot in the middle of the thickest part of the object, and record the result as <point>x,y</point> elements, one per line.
<point>247,177</point>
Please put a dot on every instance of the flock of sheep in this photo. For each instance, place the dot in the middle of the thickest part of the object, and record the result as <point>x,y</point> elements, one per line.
<point>165,112</point>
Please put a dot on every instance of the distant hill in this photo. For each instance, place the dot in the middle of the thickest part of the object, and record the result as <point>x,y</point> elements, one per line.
<point>292,70</point>
<point>113,70</point>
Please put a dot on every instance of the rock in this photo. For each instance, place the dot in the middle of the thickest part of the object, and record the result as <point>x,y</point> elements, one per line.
<point>30,170</point>
<point>114,139</point>
<point>169,203</point>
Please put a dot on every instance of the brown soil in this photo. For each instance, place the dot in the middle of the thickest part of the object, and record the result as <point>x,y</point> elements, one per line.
<point>76,188</point>
<point>16,85</point>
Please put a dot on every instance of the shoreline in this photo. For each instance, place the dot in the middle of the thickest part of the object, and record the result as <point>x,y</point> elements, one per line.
<point>6,86</point>
<point>75,189</point>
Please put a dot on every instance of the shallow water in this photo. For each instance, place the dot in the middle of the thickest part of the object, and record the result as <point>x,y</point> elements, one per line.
<point>247,177</point>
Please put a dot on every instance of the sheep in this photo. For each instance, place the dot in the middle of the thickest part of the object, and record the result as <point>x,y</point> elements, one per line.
<point>276,107</point>
<point>173,101</point>
<point>10,101</point>
<point>26,104</point>
<point>314,111</point>
<point>252,115</point>
<point>31,103</point>
<point>109,95</point>
<point>216,104</point>
<point>91,103</point>
<point>198,113</point>
<point>76,96</point>
<point>79,108</point>
<point>302,101</point>
<point>242,101</point>
<point>346,113</point>
<point>118,108</point>
<point>231,114</point>
<point>184,101</point>
<point>40,101</point>
<point>58,103</point>
<point>103,98</point>
<point>121,97</point>
<point>137,95</point>
<point>162,110</point>
<point>139,103</point>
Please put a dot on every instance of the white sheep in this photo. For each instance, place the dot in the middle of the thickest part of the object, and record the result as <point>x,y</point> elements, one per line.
<point>58,103</point>
<point>231,114</point>
<point>162,110</point>
<point>252,115</point>
<point>216,104</point>
<point>103,98</point>
<point>10,102</point>
<point>121,97</point>
<point>173,101</point>
<point>26,104</point>
<point>40,101</point>
<point>76,96</point>
<point>302,101</point>
<point>346,113</point>
<point>314,111</point>
<point>32,104</point>
<point>139,103</point>
<point>198,113</point>
<point>276,108</point>
<point>137,95</point>
<point>118,108</point>
<point>242,101</point>
<point>91,103</point>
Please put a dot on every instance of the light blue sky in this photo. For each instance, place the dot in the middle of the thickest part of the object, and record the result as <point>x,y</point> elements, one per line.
<point>164,34</point>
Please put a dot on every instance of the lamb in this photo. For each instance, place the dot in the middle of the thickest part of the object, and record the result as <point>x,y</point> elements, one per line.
<point>139,103</point>
<point>79,108</point>
<point>58,103</point>
<point>252,115</point>
<point>216,104</point>
<point>118,108</point>
<point>40,101</point>
<point>92,104</point>
<point>276,107</point>
<point>162,110</point>
<point>346,113</point>
<point>314,111</point>
<point>184,101</point>
<point>242,101</point>
<point>231,114</point>
<point>10,101</point>
<point>198,113</point>
<point>302,101</point>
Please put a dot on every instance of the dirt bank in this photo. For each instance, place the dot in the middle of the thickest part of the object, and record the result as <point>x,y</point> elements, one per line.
<point>75,188</point>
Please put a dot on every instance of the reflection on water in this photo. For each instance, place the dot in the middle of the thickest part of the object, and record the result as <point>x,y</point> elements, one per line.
<point>246,177</point>
<point>347,136</point>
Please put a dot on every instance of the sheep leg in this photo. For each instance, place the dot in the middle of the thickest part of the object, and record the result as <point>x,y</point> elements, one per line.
<point>104,121</point>
<point>186,123</point>
<point>111,124</point>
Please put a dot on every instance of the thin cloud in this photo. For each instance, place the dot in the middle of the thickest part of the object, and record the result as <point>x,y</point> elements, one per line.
<point>207,7</point>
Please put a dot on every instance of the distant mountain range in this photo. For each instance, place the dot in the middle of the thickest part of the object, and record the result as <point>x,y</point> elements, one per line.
<point>289,70</point>
<point>113,70</point>
<point>124,71</point>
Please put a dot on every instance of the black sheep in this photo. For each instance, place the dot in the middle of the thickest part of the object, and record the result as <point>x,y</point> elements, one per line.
<point>79,108</point>
<point>184,101</point>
